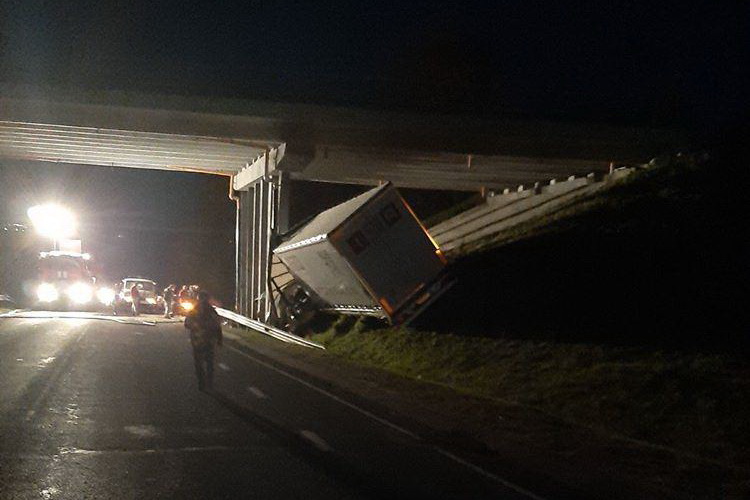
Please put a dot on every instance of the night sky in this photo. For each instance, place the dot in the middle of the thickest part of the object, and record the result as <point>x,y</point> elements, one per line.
<point>652,63</point>
<point>662,62</point>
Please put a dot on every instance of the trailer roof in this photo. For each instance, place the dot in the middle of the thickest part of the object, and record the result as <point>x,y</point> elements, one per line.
<point>326,222</point>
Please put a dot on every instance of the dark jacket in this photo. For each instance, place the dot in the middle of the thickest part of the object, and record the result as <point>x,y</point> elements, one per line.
<point>204,325</point>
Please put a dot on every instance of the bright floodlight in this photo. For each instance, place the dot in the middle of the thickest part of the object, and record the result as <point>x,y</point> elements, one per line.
<point>53,221</point>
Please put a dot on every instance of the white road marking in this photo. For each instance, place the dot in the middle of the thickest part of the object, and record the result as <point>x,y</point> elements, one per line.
<point>44,362</point>
<point>224,367</point>
<point>316,440</point>
<point>76,315</point>
<point>257,392</point>
<point>488,474</point>
<point>330,395</point>
<point>142,431</point>
<point>445,453</point>
<point>48,493</point>
<point>147,451</point>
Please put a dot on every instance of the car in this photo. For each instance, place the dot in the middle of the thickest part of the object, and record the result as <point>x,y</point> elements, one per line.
<point>149,302</point>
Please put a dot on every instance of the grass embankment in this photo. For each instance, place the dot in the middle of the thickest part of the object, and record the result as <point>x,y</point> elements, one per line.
<point>657,259</point>
<point>673,195</point>
<point>697,403</point>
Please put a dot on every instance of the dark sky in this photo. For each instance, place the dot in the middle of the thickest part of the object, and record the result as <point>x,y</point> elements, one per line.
<point>651,63</point>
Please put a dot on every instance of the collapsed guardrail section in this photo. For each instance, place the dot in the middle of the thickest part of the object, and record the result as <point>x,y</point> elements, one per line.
<point>265,329</point>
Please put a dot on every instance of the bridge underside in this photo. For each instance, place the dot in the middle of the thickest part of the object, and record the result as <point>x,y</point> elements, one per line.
<point>263,146</point>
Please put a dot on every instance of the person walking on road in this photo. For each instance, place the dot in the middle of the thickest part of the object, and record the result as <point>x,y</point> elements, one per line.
<point>170,296</point>
<point>205,334</point>
<point>135,298</point>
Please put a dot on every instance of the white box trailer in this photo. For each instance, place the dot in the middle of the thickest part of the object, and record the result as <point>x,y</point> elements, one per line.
<point>369,255</point>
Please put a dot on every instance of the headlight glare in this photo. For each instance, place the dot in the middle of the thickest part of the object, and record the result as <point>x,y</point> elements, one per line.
<point>80,293</point>
<point>105,295</point>
<point>47,293</point>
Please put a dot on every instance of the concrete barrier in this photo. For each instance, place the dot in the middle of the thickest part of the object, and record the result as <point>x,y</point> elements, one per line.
<point>502,212</point>
<point>491,204</point>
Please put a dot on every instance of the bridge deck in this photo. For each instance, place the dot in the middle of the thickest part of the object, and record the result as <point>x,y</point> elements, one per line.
<point>221,136</point>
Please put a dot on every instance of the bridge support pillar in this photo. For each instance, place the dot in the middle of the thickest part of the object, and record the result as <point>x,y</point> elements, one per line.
<point>261,208</point>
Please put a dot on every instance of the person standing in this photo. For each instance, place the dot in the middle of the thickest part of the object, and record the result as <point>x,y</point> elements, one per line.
<point>135,298</point>
<point>205,334</point>
<point>170,295</point>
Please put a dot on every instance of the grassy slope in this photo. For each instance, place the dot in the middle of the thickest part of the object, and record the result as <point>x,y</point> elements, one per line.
<point>676,195</point>
<point>658,259</point>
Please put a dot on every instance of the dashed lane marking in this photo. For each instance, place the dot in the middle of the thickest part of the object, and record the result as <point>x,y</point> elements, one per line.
<point>445,453</point>
<point>257,392</point>
<point>142,431</point>
<point>316,440</point>
<point>488,474</point>
<point>329,394</point>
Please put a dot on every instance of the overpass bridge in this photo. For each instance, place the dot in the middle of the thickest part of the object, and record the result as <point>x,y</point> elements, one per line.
<point>261,147</point>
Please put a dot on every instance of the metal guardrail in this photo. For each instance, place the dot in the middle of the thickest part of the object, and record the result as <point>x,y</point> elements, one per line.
<point>265,329</point>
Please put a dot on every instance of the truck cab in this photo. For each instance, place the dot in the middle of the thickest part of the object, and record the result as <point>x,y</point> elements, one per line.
<point>66,280</point>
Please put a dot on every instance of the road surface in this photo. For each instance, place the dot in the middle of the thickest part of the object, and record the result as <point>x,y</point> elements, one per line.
<point>97,409</point>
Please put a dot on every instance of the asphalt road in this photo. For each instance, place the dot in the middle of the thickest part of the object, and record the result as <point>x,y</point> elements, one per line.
<point>97,409</point>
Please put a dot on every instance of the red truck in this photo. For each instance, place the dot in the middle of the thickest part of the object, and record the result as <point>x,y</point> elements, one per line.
<point>67,280</point>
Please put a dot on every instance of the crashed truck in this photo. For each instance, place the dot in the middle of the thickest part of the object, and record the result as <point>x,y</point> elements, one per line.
<point>367,256</point>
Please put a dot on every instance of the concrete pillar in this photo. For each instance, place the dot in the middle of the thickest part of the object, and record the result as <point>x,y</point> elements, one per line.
<point>257,226</point>
<point>263,213</point>
<point>246,226</point>
<point>283,203</point>
<point>237,255</point>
